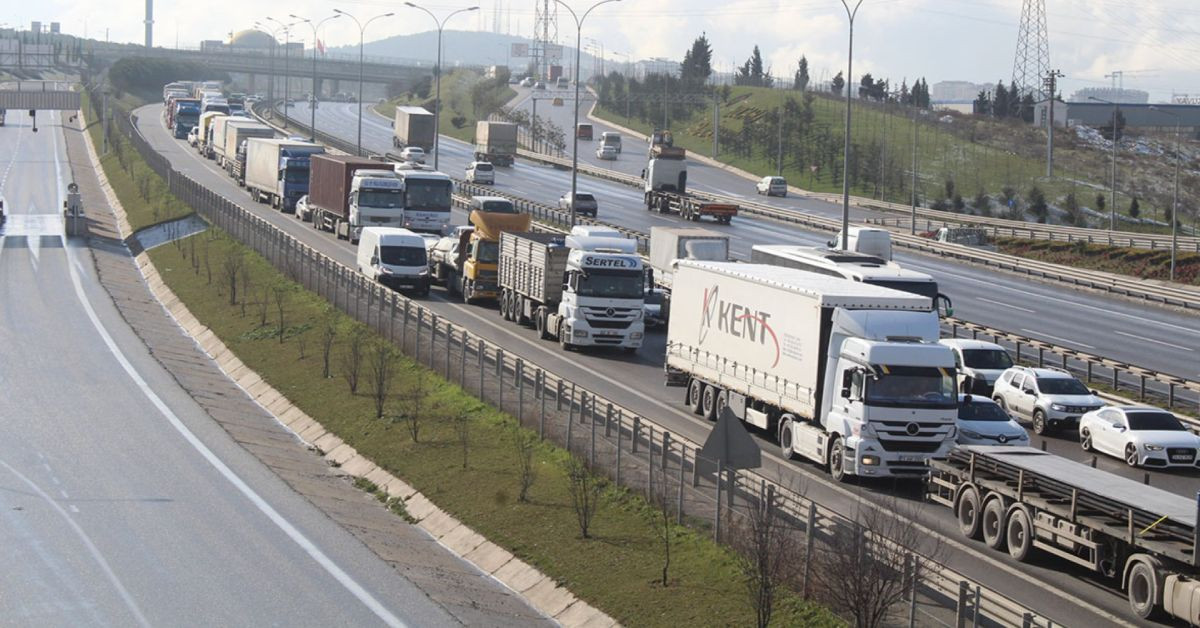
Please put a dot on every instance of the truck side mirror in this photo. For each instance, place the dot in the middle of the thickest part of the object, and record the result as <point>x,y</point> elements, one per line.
<point>846,392</point>
<point>374,260</point>
<point>643,173</point>
<point>945,307</point>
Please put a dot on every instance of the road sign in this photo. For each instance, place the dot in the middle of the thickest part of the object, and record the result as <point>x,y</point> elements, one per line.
<point>730,443</point>
<point>553,52</point>
<point>520,50</point>
<point>37,99</point>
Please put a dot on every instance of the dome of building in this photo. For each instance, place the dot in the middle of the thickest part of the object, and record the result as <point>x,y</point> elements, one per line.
<point>252,39</point>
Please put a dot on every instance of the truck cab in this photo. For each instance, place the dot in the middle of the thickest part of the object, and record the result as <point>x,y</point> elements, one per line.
<point>376,200</point>
<point>666,171</point>
<point>604,293</point>
<point>294,165</point>
<point>472,262</point>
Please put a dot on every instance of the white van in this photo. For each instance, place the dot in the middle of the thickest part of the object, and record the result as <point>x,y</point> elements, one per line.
<point>395,258</point>
<point>480,172</point>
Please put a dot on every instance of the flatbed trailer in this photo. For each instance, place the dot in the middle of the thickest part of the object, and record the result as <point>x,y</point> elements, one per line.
<point>1023,499</point>
<point>689,207</point>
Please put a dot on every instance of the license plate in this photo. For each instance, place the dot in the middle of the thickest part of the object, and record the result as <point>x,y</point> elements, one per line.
<point>910,459</point>
<point>1179,458</point>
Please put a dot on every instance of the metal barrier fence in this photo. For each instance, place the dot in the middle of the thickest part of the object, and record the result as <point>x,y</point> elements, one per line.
<point>631,449</point>
<point>1153,242</point>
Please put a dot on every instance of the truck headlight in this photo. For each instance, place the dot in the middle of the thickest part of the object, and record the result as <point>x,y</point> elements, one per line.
<point>869,461</point>
<point>579,333</point>
<point>1058,407</point>
<point>637,335</point>
<point>1150,447</point>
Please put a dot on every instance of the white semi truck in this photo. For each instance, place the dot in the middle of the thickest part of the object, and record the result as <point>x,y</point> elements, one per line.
<point>582,290</point>
<point>665,188</point>
<point>844,374</point>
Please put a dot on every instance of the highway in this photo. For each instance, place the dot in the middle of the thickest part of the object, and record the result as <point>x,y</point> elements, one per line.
<point>636,381</point>
<point>1157,338</point>
<point>121,501</point>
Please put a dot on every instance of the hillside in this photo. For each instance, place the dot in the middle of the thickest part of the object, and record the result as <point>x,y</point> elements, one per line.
<point>470,48</point>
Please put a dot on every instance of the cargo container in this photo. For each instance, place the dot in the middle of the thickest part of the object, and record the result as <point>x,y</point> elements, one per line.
<point>228,135</point>
<point>348,193</point>
<point>495,142</point>
<point>413,126</point>
<point>277,170</point>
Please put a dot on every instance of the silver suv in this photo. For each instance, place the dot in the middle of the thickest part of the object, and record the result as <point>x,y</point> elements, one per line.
<point>1052,399</point>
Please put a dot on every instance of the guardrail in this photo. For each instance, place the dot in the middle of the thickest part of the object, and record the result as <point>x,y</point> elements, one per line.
<point>1116,284</point>
<point>595,428</point>
<point>1085,364</point>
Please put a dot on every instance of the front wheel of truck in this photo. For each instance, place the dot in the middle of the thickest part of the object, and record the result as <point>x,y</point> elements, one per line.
<point>837,460</point>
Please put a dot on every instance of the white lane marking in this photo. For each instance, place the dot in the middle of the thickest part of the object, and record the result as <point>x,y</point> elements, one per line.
<point>73,508</point>
<point>1152,340</point>
<point>261,504</point>
<point>1058,338</point>
<point>1008,305</point>
<point>64,494</point>
<point>130,603</point>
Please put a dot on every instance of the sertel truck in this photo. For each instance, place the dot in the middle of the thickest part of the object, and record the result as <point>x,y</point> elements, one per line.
<point>844,374</point>
<point>413,126</point>
<point>666,192</point>
<point>1027,501</point>
<point>349,193</point>
<point>584,291</point>
<point>277,170</point>
<point>495,142</point>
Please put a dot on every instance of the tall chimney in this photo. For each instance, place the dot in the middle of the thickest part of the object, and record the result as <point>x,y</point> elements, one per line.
<point>149,23</point>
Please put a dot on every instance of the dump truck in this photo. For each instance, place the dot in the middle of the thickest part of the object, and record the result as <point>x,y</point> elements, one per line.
<point>1028,501</point>
<point>466,261</point>
<point>413,126</point>
<point>581,290</point>
<point>495,142</point>
<point>348,193</point>
<point>666,192</point>
<point>229,133</point>
<point>669,245</point>
<point>847,375</point>
<point>277,170</point>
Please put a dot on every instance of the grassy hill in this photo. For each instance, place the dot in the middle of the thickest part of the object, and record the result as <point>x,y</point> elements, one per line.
<point>466,97</point>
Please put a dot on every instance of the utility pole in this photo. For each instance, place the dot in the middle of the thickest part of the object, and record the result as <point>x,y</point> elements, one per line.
<point>850,13</point>
<point>716,124</point>
<point>1051,83</point>
<point>912,230</point>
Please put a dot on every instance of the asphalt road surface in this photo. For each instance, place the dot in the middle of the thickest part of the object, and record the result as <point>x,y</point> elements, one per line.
<point>1067,594</point>
<point>121,502</point>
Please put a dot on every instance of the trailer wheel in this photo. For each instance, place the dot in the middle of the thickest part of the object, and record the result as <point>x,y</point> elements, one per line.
<point>837,460</point>
<point>1019,534</point>
<point>1144,588</point>
<point>540,319</point>
<point>722,403</point>
<point>709,407</point>
<point>504,309</point>
<point>991,523</point>
<point>519,311</point>
<point>694,394</point>
<point>967,511</point>
<point>787,443</point>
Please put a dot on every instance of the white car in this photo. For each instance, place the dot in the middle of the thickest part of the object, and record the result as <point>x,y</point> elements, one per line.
<point>303,211</point>
<point>1052,399</point>
<point>606,152</point>
<point>979,364</point>
<point>1141,436</point>
<point>193,136</point>
<point>481,172</point>
<point>982,421</point>
<point>414,154</point>
<point>772,186</point>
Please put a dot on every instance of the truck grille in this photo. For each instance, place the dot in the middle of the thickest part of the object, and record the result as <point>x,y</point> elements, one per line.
<point>916,446</point>
<point>907,429</point>
<point>603,324</point>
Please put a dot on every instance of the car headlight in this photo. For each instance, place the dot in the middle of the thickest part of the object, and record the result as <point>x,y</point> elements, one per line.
<point>424,271</point>
<point>1150,447</point>
<point>1058,407</point>
<point>1021,436</point>
<point>971,434</point>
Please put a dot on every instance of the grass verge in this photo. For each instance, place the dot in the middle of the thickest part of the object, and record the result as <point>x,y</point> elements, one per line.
<point>616,570</point>
<point>1143,263</point>
<point>466,98</point>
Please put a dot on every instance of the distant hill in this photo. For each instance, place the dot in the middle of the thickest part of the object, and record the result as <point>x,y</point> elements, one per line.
<point>459,48</point>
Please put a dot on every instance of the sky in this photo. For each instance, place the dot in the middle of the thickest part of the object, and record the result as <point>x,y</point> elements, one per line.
<point>1156,42</point>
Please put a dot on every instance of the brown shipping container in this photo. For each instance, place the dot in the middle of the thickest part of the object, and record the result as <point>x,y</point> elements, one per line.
<point>329,181</point>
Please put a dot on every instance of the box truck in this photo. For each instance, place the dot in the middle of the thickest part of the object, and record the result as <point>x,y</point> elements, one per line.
<point>847,375</point>
<point>582,290</point>
<point>495,142</point>
<point>348,193</point>
<point>413,126</point>
<point>277,170</point>
<point>229,133</point>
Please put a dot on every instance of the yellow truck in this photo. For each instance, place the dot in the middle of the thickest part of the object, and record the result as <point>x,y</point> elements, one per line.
<point>466,261</point>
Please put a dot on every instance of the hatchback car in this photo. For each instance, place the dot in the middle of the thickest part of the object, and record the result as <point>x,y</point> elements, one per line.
<point>1141,436</point>
<point>585,204</point>
<point>979,364</point>
<point>480,172</point>
<point>982,421</point>
<point>193,136</point>
<point>303,211</point>
<point>414,154</point>
<point>1052,399</point>
<point>606,152</point>
<point>772,186</point>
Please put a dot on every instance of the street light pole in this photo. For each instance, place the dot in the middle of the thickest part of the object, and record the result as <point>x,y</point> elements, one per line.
<point>575,126</point>
<point>287,84</point>
<point>1112,210</point>
<point>271,85</point>
<point>312,105</point>
<point>1174,194</point>
<point>362,33</point>
<point>437,76</point>
<point>850,13</point>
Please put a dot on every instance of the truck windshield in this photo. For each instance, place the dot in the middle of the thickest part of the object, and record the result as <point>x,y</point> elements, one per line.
<point>487,252</point>
<point>189,118</point>
<point>989,359</point>
<point>296,175</point>
<point>913,386</point>
<point>427,194</point>
<point>921,288</point>
<point>611,284</point>
<point>706,250</point>
<point>1154,421</point>
<point>381,198</point>
<point>402,255</point>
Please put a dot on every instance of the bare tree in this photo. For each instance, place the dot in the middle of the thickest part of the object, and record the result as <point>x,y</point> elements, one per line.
<point>231,267</point>
<point>352,357</point>
<point>280,291</point>
<point>329,332</point>
<point>770,554</point>
<point>380,368</point>
<point>585,489</point>
<point>462,429</point>
<point>246,283</point>
<point>207,266</point>
<point>525,444</point>
<point>664,524</point>
<point>417,402</point>
<point>264,305</point>
<point>871,563</point>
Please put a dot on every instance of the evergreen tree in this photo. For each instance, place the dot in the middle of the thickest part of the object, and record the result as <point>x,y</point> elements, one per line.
<point>697,62</point>
<point>905,97</point>
<point>1000,101</point>
<point>837,84</point>
<point>801,78</point>
<point>866,86</point>
<point>1135,208</point>
<point>982,104</point>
